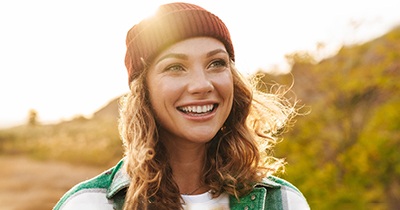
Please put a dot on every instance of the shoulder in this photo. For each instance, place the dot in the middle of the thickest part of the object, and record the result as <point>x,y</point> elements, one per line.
<point>94,193</point>
<point>275,182</point>
<point>288,194</point>
<point>91,199</point>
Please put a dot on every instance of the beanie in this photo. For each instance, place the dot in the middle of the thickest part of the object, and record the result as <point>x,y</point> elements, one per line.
<point>172,23</point>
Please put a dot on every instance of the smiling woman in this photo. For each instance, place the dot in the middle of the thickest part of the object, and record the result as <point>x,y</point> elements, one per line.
<point>191,94</point>
<point>196,134</point>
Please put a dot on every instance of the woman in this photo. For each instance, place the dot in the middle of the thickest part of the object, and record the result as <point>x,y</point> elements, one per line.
<point>195,134</point>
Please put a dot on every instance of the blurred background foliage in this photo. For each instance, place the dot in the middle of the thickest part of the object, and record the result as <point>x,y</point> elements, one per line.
<point>93,141</point>
<point>344,154</point>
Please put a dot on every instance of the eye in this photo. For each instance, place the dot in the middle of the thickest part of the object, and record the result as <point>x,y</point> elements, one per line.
<point>174,68</point>
<point>218,63</point>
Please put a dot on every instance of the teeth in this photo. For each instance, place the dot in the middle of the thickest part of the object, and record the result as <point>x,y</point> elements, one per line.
<point>197,109</point>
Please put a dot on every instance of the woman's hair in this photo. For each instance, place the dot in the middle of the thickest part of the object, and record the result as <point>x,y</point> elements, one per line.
<point>237,157</point>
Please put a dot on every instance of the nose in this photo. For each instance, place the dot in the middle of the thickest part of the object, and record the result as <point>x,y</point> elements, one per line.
<point>200,83</point>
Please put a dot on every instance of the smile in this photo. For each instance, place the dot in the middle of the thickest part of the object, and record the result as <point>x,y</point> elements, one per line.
<point>198,109</point>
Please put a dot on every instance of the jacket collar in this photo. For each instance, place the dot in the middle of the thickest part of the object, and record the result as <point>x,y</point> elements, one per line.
<point>121,180</point>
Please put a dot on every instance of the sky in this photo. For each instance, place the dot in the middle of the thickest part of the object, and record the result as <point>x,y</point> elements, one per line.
<point>65,58</point>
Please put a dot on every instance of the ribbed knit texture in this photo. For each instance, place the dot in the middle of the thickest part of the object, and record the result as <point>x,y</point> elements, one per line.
<point>172,23</point>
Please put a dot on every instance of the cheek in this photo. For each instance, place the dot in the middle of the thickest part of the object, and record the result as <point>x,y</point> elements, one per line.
<point>167,89</point>
<point>162,91</point>
<point>225,85</point>
<point>225,88</point>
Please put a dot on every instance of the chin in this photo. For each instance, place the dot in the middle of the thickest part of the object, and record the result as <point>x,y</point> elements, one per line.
<point>201,138</point>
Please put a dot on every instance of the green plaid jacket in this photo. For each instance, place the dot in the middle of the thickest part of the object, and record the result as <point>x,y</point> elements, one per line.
<point>107,192</point>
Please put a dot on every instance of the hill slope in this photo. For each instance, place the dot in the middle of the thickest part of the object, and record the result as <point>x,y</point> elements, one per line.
<point>345,154</point>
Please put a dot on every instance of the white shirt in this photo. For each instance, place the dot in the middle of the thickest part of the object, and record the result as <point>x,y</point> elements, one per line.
<point>206,202</point>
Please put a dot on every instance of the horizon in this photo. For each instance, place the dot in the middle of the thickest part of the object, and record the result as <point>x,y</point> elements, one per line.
<point>65,59</point>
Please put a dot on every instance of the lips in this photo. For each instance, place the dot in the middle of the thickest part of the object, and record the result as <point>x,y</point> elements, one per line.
<point>198,110</point>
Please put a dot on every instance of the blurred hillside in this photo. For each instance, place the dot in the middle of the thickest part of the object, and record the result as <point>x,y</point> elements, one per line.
<point>83,141</point>
<point>343,155</point>
<point>39,163</point>
<point>108,112</point>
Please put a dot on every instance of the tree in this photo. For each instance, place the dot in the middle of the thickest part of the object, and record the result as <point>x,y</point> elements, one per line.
<point>32,117</point>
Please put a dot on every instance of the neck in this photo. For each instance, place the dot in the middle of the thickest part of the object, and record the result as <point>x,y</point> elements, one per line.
<point>187,163</point>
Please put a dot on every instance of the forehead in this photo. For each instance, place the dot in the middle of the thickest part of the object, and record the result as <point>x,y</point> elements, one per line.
<point>194,46</point>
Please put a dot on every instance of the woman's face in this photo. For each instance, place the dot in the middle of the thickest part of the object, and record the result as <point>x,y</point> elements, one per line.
<point>191,89</point>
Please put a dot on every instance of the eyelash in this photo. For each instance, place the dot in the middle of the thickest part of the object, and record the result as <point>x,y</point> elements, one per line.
<point>219,62</point>
<point>173,67</point>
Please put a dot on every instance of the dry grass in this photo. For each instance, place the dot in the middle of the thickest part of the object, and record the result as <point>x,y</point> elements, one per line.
<point>81,141</point>
<point>38,164</point>
<point>36,185</point>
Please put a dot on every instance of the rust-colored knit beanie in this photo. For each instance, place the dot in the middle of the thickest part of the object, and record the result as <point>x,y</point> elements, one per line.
<point>172,23</point>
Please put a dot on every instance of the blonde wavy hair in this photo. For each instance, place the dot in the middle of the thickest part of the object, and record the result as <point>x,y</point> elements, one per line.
<point>237,157</point>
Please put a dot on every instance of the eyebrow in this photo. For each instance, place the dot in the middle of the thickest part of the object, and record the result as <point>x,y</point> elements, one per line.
<point>214,52</point>
<point>185,57</point>
<point>173,55</point>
